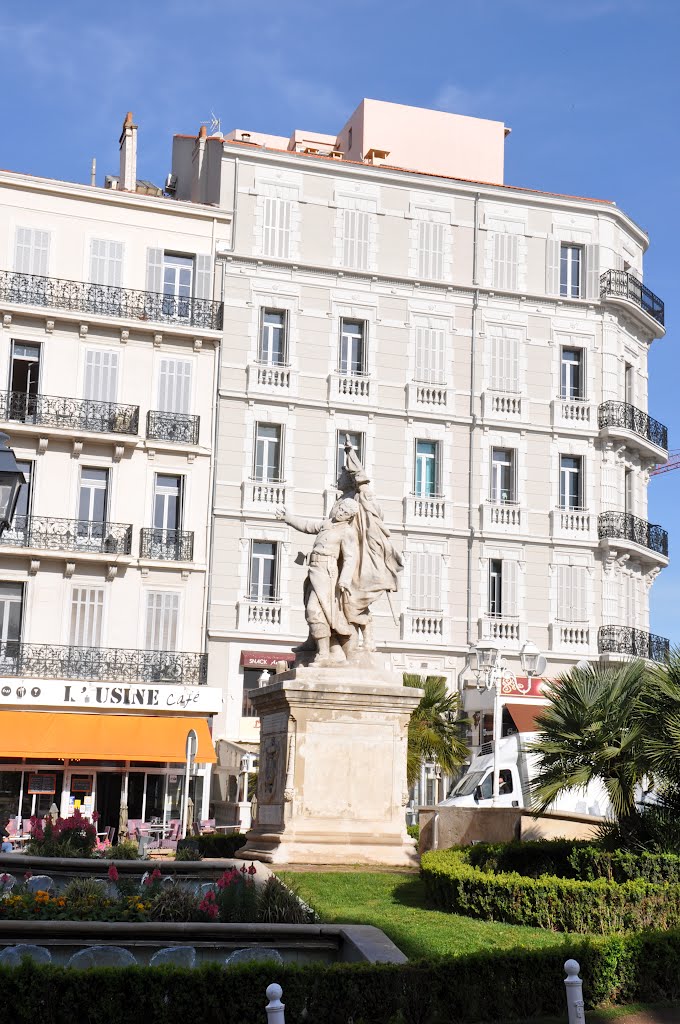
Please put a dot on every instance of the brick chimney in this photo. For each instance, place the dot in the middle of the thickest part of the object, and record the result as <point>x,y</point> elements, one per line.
<point>128,155</point>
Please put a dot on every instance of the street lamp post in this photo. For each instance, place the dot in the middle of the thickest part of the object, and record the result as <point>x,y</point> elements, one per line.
<point>491,671</point>
<point>191,750</point>
<point>11,479</point>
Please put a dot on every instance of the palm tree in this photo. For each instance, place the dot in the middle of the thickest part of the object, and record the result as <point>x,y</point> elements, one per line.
<point>660,707</point>
<point>434,729</point>
<point>593,728</point>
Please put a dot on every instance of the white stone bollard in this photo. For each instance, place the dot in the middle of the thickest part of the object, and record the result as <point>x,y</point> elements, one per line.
<point>275,1008</point>
<point>574,987</point>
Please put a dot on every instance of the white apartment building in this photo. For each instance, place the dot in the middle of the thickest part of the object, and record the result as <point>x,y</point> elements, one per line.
<point>485,348</point>
<point>109,342</point>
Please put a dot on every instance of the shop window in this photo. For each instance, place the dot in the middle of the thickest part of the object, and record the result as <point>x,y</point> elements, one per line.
<point>251,681</point>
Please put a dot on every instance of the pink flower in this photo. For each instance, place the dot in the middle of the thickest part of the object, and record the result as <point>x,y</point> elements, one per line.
<point>243,869</point>
<point>95,816</point>
<point>27,875</point>
<point>155,874</point>
<point>148,881</point>
<point>252,870</point>
<point>113,873</point>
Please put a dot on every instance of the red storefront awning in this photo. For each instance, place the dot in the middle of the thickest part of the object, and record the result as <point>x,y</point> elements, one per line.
<point>265,659</point>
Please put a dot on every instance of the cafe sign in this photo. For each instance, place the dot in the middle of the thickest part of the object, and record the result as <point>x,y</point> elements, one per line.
<point>117,697</point>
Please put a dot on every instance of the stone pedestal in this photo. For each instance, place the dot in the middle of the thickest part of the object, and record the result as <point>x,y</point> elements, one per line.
<point>332,777</point>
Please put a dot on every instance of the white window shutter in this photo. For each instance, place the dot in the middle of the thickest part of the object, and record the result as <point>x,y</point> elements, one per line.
<point>41,253</point>
<point>203,276</point>
<point>87,606</point>
<point>174,385</point>
<point>498,276</point>
<point>22,255</point>
<point>422,354</point>
<point>106,262</point>
<point>162,615</point>
<point>31,254</point>
<point>592,258</point>
<point>101,375</point>
<point>349,218</point>
<point>512,261</point>
<point>552,266</point>
<point>363,237</point>
<point>612,488</point>
<point>512,362</point>
<point>496,355</point>
<point>509,587</point>
<point>506,254</point>
<point>276,227</point>
<point>438,375</point>
<point>580,592</point>
<point>563,593</point>
<point>423,249</point>
<point>154,270</point>
<point>435,582</point>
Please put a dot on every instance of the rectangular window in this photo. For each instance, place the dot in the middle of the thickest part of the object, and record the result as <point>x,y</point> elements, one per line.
<point>572,582</point>
<point>629,384</point>
<point>572,377</point>
<point>357,442</point>
<point>25,369</point>
<point>504,359</point>
<point>276,227</point>
<point>426,582</point>
<point>263,584</point>
<point>267,463</point>
<point>167,502</point>
<point>174,385</point>
<point>11,604</point>
<point>87,609</point>
<point>502,588</point>
<point>106,262</point>
<point>570,271</point>
<point>430,349</point>
<point>93,496</point>
<point>101,375</point>
<point>505,260</point>
<point>273,347</point>
<point>571,482</point>
<point>629,492</point>
<point>430,250</point>
<point>352,359</point>
<point>426,482</point>
<point>162,620</point>
<point>17,531</point>
<point>251,681</point>
<point>355,238</point>
<point>178,277</point>
<point>32,251</point>
<point>503,487</point>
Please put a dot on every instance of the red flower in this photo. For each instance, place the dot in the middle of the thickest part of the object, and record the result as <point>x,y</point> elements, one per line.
<point>113,873</point>
<point>27,875</point>
<point>155,874</point>
<point>243,869</point>
<point>252,870</point>
<point>95,816</point>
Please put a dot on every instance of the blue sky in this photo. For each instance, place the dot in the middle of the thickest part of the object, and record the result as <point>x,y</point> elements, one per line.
<point>591,89</point>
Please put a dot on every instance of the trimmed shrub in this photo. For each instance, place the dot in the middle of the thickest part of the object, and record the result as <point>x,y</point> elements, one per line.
<point>413,831</point>
<point>507,985</point>
<point>560,904</point>
<point>215,845</point>
<point>126,849</point>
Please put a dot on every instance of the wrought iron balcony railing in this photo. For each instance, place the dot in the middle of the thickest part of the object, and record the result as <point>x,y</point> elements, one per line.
<point>101,664</point>
<point>623,285</point>
<point>107,300</point>
<point>172,426</point>
<point>624,526</point>
<point>172,545</point>
<point>633,642</point>
<point>69,413</point>
<point>621,414</point>
<point>68,535</point>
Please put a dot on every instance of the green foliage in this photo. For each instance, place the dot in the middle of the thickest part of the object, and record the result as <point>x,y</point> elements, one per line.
<point>593,728</point>
<point>560,904</point>
<point>237,896</point>
<point>434,728</point>
<point>279,903</point>
<point>126,849</point>
<point>215,845</point>
<point>413,831</point>
<point>173,902</point>
<point>84,890</point>
<point>187,849</point>
<point>515,985</point>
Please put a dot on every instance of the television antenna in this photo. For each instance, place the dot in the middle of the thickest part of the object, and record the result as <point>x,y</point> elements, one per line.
<point>214,124</point>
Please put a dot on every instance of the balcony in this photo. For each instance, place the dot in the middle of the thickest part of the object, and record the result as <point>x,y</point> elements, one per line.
<point>573,413</point>
<point>632,643</point>
<point>48,534</point>
<point>105,664</point>
<point>506,630</point>
<point>570,636</point>
<point>423,627</point>
<point>429,399</point>
<point>71,414</point>
<point>572,524</point>
<point>626,422</point>
<point>173,427</point>
<point>620,285</point>
<point>614,527</point>
<point>506,406</point>
<point>503,517</point>
<point>261,615</point>
<point>271,379</point>
<point>166,545</point>
<point>263,495</point>
<point>103,300</point>
<point>354,388</point>
<point>428,511</point>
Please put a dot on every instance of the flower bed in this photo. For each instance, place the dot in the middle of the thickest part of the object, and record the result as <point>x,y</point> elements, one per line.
<point>599,906</point>
<point>65,837</point>
<point>233,898</point>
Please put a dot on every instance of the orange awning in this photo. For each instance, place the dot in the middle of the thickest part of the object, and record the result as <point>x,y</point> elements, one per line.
<point>50,735</point>
<point>524,715</point>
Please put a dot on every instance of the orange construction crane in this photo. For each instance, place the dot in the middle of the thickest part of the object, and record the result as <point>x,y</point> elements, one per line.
<point>666,467</point>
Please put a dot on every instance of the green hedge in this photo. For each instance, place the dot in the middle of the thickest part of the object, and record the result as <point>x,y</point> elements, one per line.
<point>216,845</point>
<point>508,985</point>
<point>560,904</point>
<point>574,859</point>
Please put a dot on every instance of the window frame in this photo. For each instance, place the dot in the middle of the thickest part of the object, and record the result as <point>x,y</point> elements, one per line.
<point>567,374</point>
<point>495,592</point>
<point>346,343</point>
<point>265,352</point>
<point>498,470</point>
<point>264,477</point>
<point>166,494</point>
<point>420,462</point>
<point>340,448</point>
<point>256,586</point>
<point>565,490</point>
<point>569,289</point>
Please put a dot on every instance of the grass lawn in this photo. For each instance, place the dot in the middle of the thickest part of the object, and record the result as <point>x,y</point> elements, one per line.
<point>395,903</point>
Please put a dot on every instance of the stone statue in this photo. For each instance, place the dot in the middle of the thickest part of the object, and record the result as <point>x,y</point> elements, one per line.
<point>351,564</point>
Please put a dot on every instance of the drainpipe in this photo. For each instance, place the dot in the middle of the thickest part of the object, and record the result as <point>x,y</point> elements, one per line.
<point>234,205</point>
<point>473,415</point>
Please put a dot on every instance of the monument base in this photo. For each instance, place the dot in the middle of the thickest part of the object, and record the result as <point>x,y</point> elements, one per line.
<point>332,777</point>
